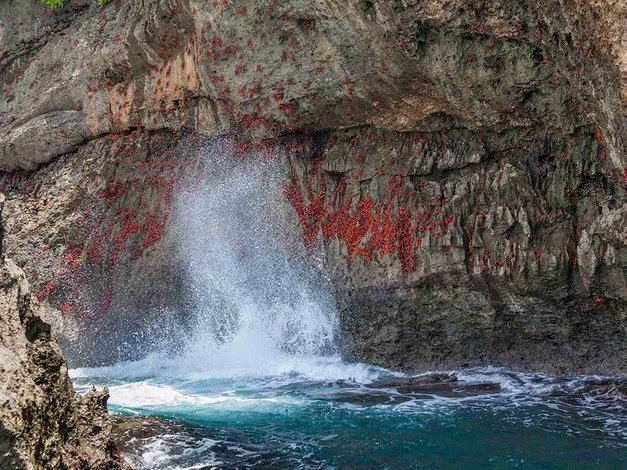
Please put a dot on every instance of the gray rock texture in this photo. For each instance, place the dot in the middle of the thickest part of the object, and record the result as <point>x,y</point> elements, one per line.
<point>44,424</point>
<point>459,167</point>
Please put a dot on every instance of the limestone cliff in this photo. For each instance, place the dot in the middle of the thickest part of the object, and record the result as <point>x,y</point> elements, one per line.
<point>460,165</point>
<point>43,422</point>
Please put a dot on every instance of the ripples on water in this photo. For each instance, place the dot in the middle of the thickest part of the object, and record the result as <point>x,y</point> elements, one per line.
<point>253,377</point>
<point>354,416</point>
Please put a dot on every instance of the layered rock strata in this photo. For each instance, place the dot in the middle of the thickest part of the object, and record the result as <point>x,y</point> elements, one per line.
<point>461,168</point>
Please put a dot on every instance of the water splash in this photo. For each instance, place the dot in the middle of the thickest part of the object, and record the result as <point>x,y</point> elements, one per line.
<point>259,382</point>
<point>257,302</point>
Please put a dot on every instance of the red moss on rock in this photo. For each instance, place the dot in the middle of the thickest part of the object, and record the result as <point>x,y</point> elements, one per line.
<point>153,230</point>
<point>367,227</point>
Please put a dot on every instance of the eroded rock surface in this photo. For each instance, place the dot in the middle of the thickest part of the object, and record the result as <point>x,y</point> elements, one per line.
<point>44,424</point>
<point>461,168</point>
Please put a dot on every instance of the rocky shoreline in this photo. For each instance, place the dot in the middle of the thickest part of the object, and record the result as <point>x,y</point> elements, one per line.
<point>44,423</point>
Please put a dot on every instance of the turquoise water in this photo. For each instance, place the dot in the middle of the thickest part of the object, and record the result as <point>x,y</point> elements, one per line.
<point>252,378</point>
<point>371,418</point>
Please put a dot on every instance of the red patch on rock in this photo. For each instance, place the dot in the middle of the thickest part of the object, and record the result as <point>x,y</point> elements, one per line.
<point>368,228</point>
<point>43,293</point>
<point>153,230</point>
<point>599,299</point>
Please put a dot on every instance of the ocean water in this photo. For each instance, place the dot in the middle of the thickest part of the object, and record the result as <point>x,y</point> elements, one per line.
<point>253,377</point>
<point>320,412</point>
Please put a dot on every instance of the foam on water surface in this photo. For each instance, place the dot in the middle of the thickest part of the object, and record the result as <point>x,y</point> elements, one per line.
<point>253,375</point>
<point>291,420</point>
<point>279,367</point>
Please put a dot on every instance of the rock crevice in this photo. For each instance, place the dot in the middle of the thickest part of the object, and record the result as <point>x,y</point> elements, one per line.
<point>44,423</point>
<point>469,155</point>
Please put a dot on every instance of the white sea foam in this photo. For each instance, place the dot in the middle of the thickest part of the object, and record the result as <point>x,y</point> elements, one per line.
<point>280,368</point>
<point>145,394</point>
<point>160,452</point>
<point>257,309</point>
<point>514,382</point>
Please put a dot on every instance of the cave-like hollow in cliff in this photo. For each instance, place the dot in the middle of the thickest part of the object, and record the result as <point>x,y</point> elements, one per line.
<point>455,174</point>
<point>338,195</point>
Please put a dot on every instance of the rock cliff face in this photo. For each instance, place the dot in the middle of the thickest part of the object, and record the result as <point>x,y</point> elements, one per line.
<point>43,422</point>
<point>461,167</point>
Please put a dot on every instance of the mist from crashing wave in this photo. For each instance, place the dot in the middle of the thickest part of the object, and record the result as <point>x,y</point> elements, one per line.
<point>257,305</point>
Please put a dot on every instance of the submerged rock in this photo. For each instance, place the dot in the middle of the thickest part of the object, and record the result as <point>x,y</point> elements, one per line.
<point>436,384</point>
<point>418,381</point>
